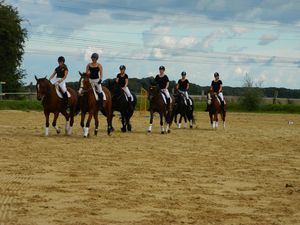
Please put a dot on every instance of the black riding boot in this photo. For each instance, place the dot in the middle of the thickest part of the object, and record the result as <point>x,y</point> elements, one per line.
<point>100,99</point>
<point>168,104</point>
<point>223,106</point>
<point>66,100</point>
<point>130,106</point>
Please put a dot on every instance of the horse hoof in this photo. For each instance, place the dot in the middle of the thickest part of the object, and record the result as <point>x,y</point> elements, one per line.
<point>58,131</point>
<point>169,131</point>
<point>162,132</point>
<point>95,133</point>
<point>191,127</point>
<point>123,130</point>
<point>149,131</point>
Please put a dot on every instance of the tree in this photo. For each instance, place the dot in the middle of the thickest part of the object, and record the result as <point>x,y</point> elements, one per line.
<point>12,40</point>
<point>251,97</point>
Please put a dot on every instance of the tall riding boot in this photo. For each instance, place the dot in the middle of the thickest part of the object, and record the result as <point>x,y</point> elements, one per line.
<point>66,100</point>
<point>168,104</point>
<point>100,100</point>
<point>223,106</point>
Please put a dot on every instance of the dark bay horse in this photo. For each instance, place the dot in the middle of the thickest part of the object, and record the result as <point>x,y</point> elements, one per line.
<point>53,104</point>
<point>158,105</point>
<point>88,104</point>
<point>214,108</point>
<point>185,111</point>
<point>121,104</point>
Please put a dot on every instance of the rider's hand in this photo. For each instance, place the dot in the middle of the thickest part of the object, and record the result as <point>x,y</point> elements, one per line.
<point>100,81</point>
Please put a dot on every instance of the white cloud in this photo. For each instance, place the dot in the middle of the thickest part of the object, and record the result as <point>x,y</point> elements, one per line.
<point>240,72</point>
<point>267,39</point>
<point>157,53</point>
<point>90,50</point>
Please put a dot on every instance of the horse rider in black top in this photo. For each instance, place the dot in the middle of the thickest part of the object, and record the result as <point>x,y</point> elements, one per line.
<point>216,86</point>
<point>122,80</point>
<point>182,86</point>
<point>95,72</point>
<point>61,73</point>
<point>162,81</point>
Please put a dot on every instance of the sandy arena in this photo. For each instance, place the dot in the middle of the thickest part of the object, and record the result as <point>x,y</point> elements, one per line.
<point>246,174</point>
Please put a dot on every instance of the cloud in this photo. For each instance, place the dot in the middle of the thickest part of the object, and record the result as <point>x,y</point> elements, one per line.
<point>267,39</point>
<point>297,63</point>
<point>90,50</point>
<point>240,72</point>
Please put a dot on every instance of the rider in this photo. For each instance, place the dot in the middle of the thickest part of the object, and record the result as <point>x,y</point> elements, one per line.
<point>162,81</point>
<point>93,69</point>
<point>61,73</point>
<point>216,86</point>
<point>182,86</point>
<point>122,80</point>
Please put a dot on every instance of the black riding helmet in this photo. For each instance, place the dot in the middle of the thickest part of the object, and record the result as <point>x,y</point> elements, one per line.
<point>162,68</point>
<point>122,67</point>
<point>183,73</point>
<point>61,59</point>
<point>216,74</point>
<point>95,56</point>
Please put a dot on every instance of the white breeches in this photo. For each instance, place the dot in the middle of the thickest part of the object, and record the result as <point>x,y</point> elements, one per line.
<point>221,96</point>
<point>128,93</point>
<point>98,87</point>
<point>62,85</point>
<point>186,94</point>
<point>166,92</point>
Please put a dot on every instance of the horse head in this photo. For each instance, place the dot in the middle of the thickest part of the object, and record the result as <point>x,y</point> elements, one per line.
<point>152,92</point>
<point>84,81</point>
<point>42,87</point>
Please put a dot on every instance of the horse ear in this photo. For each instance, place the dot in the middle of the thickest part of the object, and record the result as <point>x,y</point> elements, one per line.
<point>45,77</point>
<point>80,73</point>
<point>36,78</point>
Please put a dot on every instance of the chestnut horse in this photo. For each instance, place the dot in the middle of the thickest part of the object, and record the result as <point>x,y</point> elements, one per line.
<point>88,104</point>
<point>214,108</point>
<point>157,104</point>
<point>54,104</point>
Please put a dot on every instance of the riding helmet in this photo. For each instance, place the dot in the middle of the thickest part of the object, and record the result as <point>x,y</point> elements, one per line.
<point>216,74</point>
<point>95,56</point>
<point>122,67</point>
<point>61,59</point>
<point>183,73</point>
<point>162,68</point>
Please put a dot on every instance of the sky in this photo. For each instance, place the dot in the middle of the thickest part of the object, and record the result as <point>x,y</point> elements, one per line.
<point>260,38</point>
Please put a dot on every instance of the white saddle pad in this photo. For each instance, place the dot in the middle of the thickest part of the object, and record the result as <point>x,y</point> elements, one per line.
<point>59,93</point>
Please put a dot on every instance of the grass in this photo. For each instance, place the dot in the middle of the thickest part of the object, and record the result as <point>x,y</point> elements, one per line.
<point>27,105</point>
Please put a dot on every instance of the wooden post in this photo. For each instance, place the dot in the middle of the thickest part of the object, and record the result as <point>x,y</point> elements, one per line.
<point>275,96</point>
<point>1,94</point>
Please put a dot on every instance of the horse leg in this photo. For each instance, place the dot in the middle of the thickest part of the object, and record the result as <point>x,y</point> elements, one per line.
<point>151,121</point>
<point>179,123</point>
<point>211,120</point>
<point>185,121</point>
<point>87,125</point>
<point>82,120</point>
<point>54,122</point>
<point>67,126</point>
<point>96,123</point>
<point>123,129</point>
<point>47,123</point>
<point>161,123</point>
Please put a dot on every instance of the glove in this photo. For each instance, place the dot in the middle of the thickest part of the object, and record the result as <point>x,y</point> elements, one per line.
<point>99,82</point>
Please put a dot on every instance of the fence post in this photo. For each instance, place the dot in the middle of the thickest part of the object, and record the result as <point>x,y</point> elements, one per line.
<point>1,94</point>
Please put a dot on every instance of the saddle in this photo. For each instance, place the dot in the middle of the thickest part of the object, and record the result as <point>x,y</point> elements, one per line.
<point>60,93</point>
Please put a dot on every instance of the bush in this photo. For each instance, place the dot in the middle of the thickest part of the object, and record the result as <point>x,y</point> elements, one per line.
<point>251,97</point>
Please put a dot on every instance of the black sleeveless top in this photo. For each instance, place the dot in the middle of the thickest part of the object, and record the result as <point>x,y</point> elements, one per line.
<point>162,81</point>
<point>216,85</point>
<point>94,72</point>
<point>60,71</point>
<point>183,84</point>
<point>122,80</point>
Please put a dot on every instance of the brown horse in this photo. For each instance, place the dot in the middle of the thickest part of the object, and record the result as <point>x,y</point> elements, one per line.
<point>53,104</point>
<point>89,104</point>
<point>214,109</point>
<point>157,104</point>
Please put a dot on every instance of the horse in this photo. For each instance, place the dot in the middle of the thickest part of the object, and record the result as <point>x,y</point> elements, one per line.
<point>121,104</point>
<point>88,104</point>
<point>214,109</point>
<point>185,111</point>
<point>157,104</point>
<point>46,92</point>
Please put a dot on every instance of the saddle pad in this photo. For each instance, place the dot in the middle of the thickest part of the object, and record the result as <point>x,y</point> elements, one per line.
<point>164,97</point>
<point>59,94</point>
